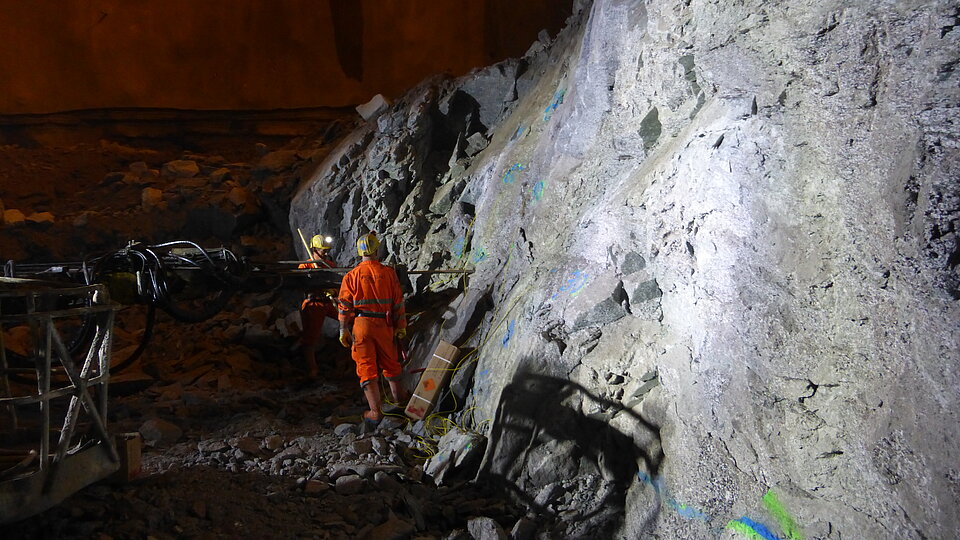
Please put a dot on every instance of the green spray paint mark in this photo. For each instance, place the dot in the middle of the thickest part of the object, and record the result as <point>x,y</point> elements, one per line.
<point>787,524</point>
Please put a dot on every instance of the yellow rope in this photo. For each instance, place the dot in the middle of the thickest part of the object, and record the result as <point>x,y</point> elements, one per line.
<point>437,422</point>
<point>461,263</point>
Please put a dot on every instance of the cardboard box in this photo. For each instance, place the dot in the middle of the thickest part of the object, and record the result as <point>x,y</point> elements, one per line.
<point>433,379</point>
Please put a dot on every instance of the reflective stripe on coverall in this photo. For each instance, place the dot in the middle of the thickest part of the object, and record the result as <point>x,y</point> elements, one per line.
<point>367,293</point>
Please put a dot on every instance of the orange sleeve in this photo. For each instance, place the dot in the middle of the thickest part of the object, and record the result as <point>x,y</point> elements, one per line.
<point>347,294</point>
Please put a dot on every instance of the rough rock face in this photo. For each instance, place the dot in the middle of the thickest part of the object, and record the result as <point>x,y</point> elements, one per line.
<point>715,263</point>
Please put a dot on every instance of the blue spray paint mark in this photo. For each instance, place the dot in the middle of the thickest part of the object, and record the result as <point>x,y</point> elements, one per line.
<point>479,255</point>
<point>538,190</point>
<point>688,512</point>
<point>759,528</point>
<point>660,488</point>
<point>509,333</point>
<point>512,172</point>
<point>557,101</point>
<point>575,283</point>
<point>746,526</point>
<point>458,245</point>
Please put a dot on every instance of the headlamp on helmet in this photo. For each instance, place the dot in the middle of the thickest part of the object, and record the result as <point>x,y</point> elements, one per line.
<point>321,242</point>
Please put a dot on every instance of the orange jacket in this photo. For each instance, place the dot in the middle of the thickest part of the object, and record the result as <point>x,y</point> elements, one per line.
<point>371,288</point>
<point>325,262</point>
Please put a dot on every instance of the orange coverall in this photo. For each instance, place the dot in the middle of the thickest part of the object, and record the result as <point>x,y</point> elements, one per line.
<point>371,299</point>
<point>315,308</point>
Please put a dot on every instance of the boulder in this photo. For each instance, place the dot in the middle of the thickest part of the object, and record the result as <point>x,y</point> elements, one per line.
<point>343,429</point>
<point>259,315</point>
<point>242,198</point>
<point>41,218</point>
<point>278,161</point>
<point>212,445</point>
<point>475,144</point>
<point>181,168</point>
<point>220,175</point>
<point>362,446</point>
<point>151,198</point>
<point>484,528</point>
<point>492,88</point>
<point>458,455</point>
<point>157,432</point>
<point>13,217</point>
<point>250,445</point>
<point>523,529</point>
<point>373,108</point>
<point>112,178</point>
<point>273,442</point>
<point>350,484</point>
<point>139,167</point>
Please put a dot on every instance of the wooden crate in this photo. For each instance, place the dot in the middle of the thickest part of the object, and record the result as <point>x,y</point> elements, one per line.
<point>433,379</point>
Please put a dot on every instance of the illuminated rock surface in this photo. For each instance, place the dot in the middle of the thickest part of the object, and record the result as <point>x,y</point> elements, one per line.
<point>714,255</point>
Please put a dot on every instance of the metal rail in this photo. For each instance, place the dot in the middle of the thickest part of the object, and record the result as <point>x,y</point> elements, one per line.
<point>46,471</point>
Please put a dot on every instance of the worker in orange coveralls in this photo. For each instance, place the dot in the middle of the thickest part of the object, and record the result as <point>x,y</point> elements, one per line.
<point>371,300</point>
<point>316,306</point>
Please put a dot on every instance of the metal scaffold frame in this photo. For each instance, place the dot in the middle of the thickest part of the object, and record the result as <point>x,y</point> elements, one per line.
<point>67,385</point>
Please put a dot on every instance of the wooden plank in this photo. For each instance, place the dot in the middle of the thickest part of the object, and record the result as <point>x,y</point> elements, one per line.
<point>432,381</point>
<point>128,446</point>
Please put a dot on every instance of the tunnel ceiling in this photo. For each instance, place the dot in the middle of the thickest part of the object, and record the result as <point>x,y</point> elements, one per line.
<point>256,54</point>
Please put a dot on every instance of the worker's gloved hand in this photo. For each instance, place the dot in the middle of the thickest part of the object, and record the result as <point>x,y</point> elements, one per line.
<point>346,339</point>
<point>400,333</point>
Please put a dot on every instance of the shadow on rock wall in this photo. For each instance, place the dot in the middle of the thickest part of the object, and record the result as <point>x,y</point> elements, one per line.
<point>563,462</point>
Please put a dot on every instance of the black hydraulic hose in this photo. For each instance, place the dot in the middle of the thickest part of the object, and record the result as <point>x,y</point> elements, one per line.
<point>144,260</point>
<point>180,242</point>
<point>221,273</point>
<point>191,262</point>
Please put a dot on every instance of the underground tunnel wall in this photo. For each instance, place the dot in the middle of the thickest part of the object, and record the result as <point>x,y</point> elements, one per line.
<point>713,238</point>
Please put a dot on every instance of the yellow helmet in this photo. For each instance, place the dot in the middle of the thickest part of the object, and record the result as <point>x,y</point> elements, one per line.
<point>368,244</point>
<point>321,242</point>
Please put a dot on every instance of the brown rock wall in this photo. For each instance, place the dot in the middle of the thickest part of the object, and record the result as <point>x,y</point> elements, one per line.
<point>255,54</point>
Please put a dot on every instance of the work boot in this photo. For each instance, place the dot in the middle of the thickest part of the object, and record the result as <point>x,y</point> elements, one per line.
<point>372,393</point>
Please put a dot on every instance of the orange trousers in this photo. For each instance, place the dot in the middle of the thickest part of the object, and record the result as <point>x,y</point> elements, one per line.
<point>374,350</point>
<point>312,313</point>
